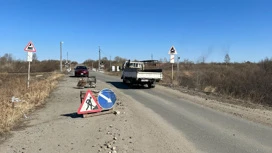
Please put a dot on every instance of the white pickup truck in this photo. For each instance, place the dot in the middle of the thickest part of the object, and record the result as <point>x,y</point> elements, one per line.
<point>134,73</point>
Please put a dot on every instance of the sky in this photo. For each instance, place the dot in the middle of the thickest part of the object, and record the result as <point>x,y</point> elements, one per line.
<point>138,29</point>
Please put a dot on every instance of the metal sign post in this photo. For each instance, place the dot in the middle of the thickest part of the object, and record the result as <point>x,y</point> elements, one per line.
<point>30,49</point>
<point>172,72</point>
<point>172,53</point>
<point>29,59</point>
<point>28,75</point>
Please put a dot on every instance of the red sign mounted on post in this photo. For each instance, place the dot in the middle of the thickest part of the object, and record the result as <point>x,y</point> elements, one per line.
<point>172,51</point>
<point>30,47</point>
<point>89,104</point>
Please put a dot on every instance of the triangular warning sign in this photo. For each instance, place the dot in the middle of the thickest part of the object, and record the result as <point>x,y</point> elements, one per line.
<point>30,47</point>
<point>172,50</point>
<point>89,104</point>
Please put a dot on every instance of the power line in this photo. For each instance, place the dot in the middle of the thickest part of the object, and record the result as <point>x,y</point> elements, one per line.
<point>110,61</point>
<point>105,54</point>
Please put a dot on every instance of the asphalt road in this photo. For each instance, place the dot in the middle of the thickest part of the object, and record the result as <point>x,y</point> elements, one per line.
<point>209,130</point>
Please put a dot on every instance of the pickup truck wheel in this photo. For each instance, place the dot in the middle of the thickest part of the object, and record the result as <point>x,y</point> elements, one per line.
<point>151,85</point>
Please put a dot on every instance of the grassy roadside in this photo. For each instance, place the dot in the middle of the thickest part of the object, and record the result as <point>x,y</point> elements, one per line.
<point>246,84</point>
<point>249,82</point>
<point>15,85</point>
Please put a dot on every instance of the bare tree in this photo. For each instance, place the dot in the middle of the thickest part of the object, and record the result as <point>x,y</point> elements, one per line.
<point>203,59</point>
<point>35,57</point>
<point>227,59</point>
<point>119,59</point>
<point>165,60</point>
<point>7,58</point>
<point>104,59</point>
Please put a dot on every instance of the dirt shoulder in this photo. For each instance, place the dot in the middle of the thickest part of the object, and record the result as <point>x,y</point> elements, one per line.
<point>253,112</point>
<point>57,127</point>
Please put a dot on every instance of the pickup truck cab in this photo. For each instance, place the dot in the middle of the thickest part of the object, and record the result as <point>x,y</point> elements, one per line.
<point>135,73</point>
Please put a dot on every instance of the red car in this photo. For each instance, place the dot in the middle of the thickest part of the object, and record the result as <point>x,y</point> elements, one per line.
<point>81,71</point>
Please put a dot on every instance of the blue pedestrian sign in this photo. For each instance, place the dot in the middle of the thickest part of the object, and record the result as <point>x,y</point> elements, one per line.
<point>106,99</point>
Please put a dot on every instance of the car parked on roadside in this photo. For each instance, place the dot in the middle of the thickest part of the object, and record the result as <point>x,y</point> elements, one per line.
<point>81,71</point>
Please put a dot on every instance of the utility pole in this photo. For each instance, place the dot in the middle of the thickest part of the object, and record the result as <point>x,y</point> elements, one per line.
<point>61,56</point>
<point>99,59</point>
<point>151,56</point>
<point>110,62</point>
<point>67,58</point>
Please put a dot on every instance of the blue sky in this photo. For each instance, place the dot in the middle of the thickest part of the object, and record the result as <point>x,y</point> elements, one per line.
<point>135,29</point>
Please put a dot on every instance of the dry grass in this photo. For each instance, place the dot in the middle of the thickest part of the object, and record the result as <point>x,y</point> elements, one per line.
<point>250,82</point>
<point>15,85</point>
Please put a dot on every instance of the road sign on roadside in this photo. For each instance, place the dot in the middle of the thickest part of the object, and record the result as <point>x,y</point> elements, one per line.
<point>29,56</point>
<point>89,104</point>
<point>172,51</point>
<point>30,47</point>
<point>172,58</point>
<point>106,99</point>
